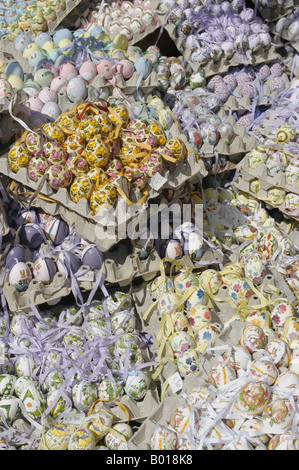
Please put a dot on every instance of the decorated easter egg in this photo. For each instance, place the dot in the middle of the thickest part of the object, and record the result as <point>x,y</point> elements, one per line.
<point>278,416</point>
<point>44,269</point>
<point>253,398</point>
<point>7,384</point>
<point>57,437</point>
<point>222,374</point>
<point>181,341</point>
<point>164,439</point>
<point>137,385</point>
<point>188,362</point>
<point>252,337</point>
<point>10,408</point>
<point>33,401</point>
<point>264,369</point>
<point>198,316</point>
<point>83,395</point>
<point>82,439</point>
<point>20,276</point>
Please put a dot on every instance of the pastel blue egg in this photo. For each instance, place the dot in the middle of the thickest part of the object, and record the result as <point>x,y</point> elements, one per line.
<point>53,55</point>
<point>41,38</point>
<point>78,33</point>
<point>35,57</point>
<point>14,68</point>
<point>96,31</point>
<point>22,41</point>
<point>60,34</point>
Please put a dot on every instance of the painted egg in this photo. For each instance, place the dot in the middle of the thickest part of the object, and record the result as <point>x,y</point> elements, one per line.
<point>184,419</point>
<point>81,188</point>
<point>59,176</point>
<point>181,341</point>
<point>7,384</point>
<point>198,316</point>
<point>44,269</point>
<point>113,440</point>
<point>254,269</point>
<point>96,153</point>
<point>9,409</point>
<point>57,230</point>
<point>239,292</point>
<point>109,391</point>
<point>82,439</point>
<point>222,374</point>
<point>20,276</point>
<point>26,366</point>
<point>76,89</point>
<point>99,422</point>
<point>169,302</point>
<point>74,336</point>
<point>161,285</point>
<point>283,442</point>
<point>278,416</point>
<point>173,249</point>
<point>59,405</point>
<point>280,313</point>
<point>254,428</point>
<point>164,439</point>
<point>125,341</point>
<point>177,147</point>
<point>83,395</point>
<point>123,322</point>
<point>15,254</point>
<point>253,398</point>
<point>279,351</point>
<point>57,437</point>
<point>104,195</point>
<point>260,318</point>
<point>18,157</point>
<point>137,385</point>
<point>265,370</point>
<point>22,383</point>
<point>210,279</point>
<point>34,402</point>
<point>184,281</point>
<point>206,334</point>
<point>252,337</point>
<point>198,297</point>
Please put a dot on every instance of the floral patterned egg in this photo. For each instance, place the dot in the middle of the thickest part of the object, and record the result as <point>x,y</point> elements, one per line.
<point>184,281</point>
<point>99,424</point>
<point>97,176</point>
<point>104,195</point>
<point>137,385</point>
<point>117,299</point>
<point>290,332</point>
<point>156,130</point>
<point>105,125</point>
<point>254,426</point>
<point>252,337</point>
<point>7,384</point>
<point>125,341</point>
<point>74,144</point>
<point>66,123</point>
<point>184,419</point>
<point>181,341</point>
<point>54,152</point>
<point>278,416</point>
<point>114,440</point>
<point>264,369</point>
<point>96,153</point>
<point>52,130</point>
<point>284,442</point>
<point>198,297</point>
<point>22,383</point>
<point>153,165</point>
<point>164,439</point>
<point>239,292</point>
<point>52,381</point>
<point>253,398</point>
<point>286,133</point>
<point>254,269</point>
<point>82,439</point>
<point>19,157</point>
<point>210,279</point>
<point>123,322</point>
<point>198,316</point>
<point>136,177</point>
<point>81,188</point>
<point>244,233</point>
<point>161,285</point>
<point>33,142</point>
<point>83,395</point>
<point>109,390</point>
<point>88,128</point>
<point>222,374</point>
<point>34,402</point>
<point>260,318</point>
<point>37,167</point>
<point>169,302</point>
<point>177,147</point>
<point>119,115</point>
<point>205,334</point>
<point>96,328</point>
<point>279,351</point>
<point>239,358</point>
<point>59,176</point>
<point>280,313</point>
<point>9,409</point>
<point>197,397</point>
<point>57,437</point>
<point>286,383</point>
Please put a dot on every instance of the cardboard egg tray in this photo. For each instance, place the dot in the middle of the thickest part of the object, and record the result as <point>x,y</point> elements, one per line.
<point>280,10</point>
<point>214,68</point>
<point>242,182</point>
<point>273,286</point>
<point>141,440</point>
<point>183,171</point>
<point>18,98</point>
<point>261,173</point>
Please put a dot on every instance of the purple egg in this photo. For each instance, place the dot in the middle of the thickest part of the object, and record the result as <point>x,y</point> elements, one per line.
<point>92,257</point>
<point>15,255</point>
<point>31,236</point>
<point>57,230</point>
<point>51,109</point>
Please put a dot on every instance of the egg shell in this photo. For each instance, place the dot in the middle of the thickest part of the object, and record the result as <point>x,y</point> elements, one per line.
<point>44,77</point>
<point>182,341</point>
<point>264,369</point>
<point>253,338</point>
<point>76,88</point>
<point>109,391</point>
<point>44,269</point>
<point>22,41</point>
<point>198,297</point>
<point>188,362</point>
<point>137,385</point>
<point>68,71</point>
<point>33,401</point>
<point>280,313</point>
<point>26,366</point>
<point>185,419</point>
<point>20,276</point>
<point>15,254</point>
<point>278,416</point>
<point>173,249</point>
<point>82,439</point>
<point>239,358</point>
<point>198,316</point>
<point>10,408</point>
<point>7,384</point>
<point>99,423</point>
<point>164,439</point>
<point>88,71</point>
<point>57,437</point>
<point>239,291</point>
<point>31,235</point>
<point>279,351</point>
<point>51,109</point>
<point>83,395</point>
<point>253,398</point>
<point>222,374</point>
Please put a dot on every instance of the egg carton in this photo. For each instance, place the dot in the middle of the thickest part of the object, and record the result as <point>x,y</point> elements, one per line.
<point>242,183</point>
<point>261,172</point>
<point>292,66</point>
<point>128,87</point>
<point>214,68</point>
<point>280,10</point>
<point>183,171</point>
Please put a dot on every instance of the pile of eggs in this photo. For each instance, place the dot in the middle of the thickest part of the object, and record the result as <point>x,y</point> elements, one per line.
<point>89,355</point>
<point>91,156</point>
<point>247,401</point>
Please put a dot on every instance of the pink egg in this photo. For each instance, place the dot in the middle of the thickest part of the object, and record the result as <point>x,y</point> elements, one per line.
<point>47,94</point>
<point>88,71</point>
<point>126,68</point>
<point>104,68</point>
<point>68,71</point>
<point>59,84</point>
<point>35,104</point>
